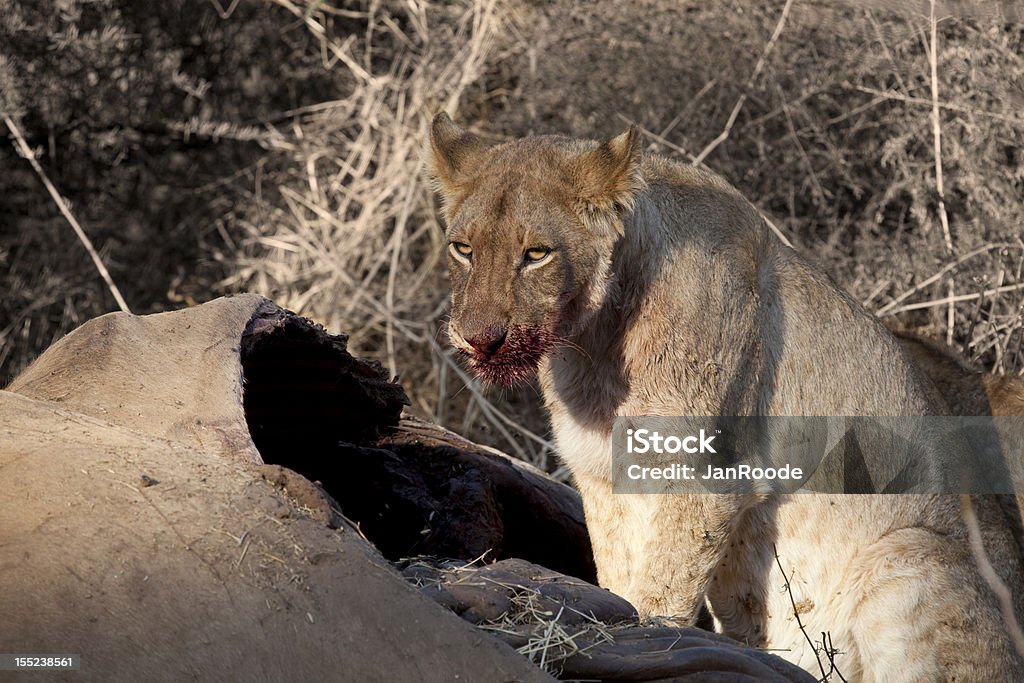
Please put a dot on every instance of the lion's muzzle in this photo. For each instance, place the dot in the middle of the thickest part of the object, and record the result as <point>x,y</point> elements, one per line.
<point>489,342</point>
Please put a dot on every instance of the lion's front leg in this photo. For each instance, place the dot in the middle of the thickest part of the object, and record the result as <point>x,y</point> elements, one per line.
<point>658,551</point>
<point>694,534</point>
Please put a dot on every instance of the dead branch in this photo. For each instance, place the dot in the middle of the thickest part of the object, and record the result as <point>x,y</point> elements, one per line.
<point>884,310</point>
<point>898,97</point>
<point>796,613</point>
<point>724,135</point>
<point>988,573</point>
<point>26,151</point>
<point>953,299</point>
<point>937,129</point>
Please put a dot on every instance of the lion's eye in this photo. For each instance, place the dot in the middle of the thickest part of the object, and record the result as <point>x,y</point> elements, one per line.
<point>461,249</point>
<point>536,254</point>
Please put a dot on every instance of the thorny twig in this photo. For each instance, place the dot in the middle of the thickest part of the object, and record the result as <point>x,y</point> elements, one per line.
<point>830,652</point>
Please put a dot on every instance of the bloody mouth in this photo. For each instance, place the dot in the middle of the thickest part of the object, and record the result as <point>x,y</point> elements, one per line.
<point>517,359</point>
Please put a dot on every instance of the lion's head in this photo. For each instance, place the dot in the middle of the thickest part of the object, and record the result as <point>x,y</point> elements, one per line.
<point>531,225</point>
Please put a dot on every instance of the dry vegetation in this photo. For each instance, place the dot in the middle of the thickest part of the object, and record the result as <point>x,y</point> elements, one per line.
<point>275,147</point>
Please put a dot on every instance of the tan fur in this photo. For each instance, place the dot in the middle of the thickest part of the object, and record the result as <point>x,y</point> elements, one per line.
<point>674,300</point>
<point>967,391</point>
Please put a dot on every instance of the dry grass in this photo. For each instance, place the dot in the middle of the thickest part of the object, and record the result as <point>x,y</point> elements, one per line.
<point>530,624</point>
<point>837,142</point>
<point>338,222</point>
<point>838,135</point>
<point>549,641</point>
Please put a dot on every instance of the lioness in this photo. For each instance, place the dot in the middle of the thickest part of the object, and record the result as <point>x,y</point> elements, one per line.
<point>638,286</point>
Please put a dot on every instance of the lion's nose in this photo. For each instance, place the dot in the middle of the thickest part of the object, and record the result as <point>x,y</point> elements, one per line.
<point>488,342</point>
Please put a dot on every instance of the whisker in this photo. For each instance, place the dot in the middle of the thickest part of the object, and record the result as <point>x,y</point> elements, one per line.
<point>563,342</point>
<point>442,328</point>
<point>464,387</point>
<point>533,387</point>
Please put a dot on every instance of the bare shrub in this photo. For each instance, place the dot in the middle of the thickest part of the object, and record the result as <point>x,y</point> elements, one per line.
<point>337,221</point>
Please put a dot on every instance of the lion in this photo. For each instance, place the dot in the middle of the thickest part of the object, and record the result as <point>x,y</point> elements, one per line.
<point>635,285</point>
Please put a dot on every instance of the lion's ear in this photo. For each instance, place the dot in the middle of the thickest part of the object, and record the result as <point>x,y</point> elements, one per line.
<point>452,154</point>
<point>609,177</point>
